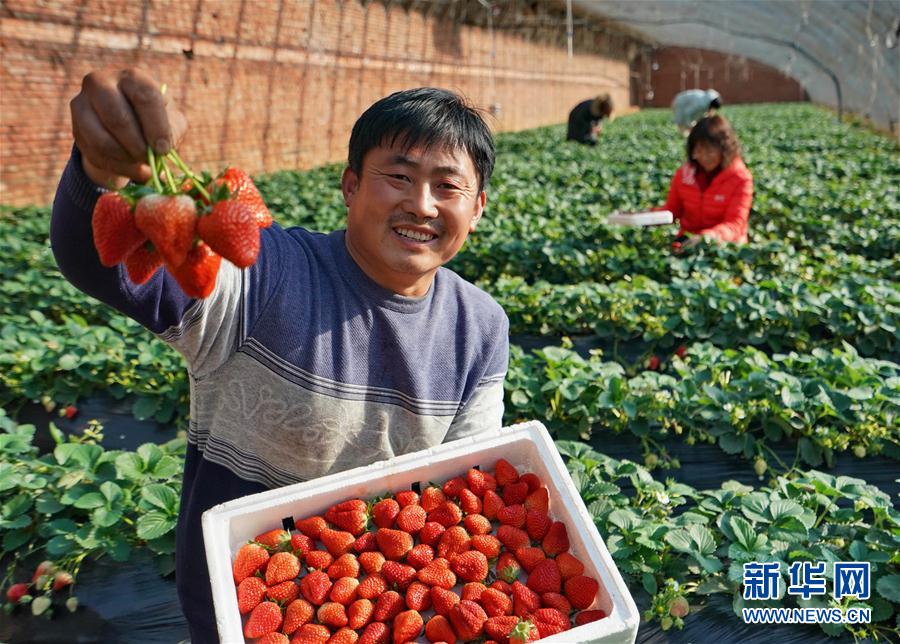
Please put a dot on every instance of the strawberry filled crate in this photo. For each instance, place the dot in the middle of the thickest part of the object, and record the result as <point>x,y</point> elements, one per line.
<point>228,527</point>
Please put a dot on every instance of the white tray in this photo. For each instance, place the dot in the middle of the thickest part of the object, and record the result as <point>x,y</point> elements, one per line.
<point>651,218</point>
<point>527,446</point>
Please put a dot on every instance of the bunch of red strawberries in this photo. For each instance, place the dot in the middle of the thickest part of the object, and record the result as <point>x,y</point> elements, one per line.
<point>478,558</point>
<point>187,224</point>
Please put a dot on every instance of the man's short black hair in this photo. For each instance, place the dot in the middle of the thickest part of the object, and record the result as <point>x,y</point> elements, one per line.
<point>715,104</point>
<point>428,117</point>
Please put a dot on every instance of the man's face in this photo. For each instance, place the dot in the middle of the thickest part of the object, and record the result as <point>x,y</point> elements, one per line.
<point>409,212</point>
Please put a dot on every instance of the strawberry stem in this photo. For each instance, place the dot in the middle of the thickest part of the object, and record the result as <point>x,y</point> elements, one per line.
<point>198,182</point>
<point>151,158</point>
<point>169,178</point>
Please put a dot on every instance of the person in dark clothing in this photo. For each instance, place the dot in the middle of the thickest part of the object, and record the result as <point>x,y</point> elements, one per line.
<point>586,119</point>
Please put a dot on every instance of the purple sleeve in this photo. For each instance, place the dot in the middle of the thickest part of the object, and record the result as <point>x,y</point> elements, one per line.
<point>157,304</point>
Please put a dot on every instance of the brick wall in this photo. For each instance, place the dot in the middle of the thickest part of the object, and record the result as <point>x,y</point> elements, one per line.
<point>275,84</point>
<point>737,79</point>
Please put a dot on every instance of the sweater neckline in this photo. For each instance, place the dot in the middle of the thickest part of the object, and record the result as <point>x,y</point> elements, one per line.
<point>368,288</point>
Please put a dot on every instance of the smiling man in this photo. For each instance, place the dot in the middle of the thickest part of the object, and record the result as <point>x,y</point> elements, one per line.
<point>332,351</point>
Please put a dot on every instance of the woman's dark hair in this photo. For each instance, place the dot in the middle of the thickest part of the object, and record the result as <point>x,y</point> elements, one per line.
<point>602,106</point>
<point>715,130</point>
<point>427,117</point>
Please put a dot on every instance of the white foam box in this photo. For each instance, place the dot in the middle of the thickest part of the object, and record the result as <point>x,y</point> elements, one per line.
<point>652,218</point>
<point>528,446</point>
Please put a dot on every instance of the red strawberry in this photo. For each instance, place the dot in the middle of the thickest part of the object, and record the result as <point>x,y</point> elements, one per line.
<point>431,533</point>
<point>681,351</point>
<point>525,600</point>
<point>248,560</point>
<point>385,512</point>
<point>301,544</point>
<point>407,497</point>
<point>389,605</point>
<point>169,222</point>
<point>394,544</point>
<point>273,638</point>
<point>412,519</point>
<point>530,557</point>
<point>372,586</point>
<point>472,591</point>
<point>491,504</point>
<point>432,497</point>
<point>245,191</point>
<point>537,523</point>
<point>407,626</point>
<point>499,627</point>
<point>366,542</point>
<point>196,275</point>
<point>351,505</point>
<point>524,631</point>
<point>454,541</point>
<point>250,592</point>
<point>312,634</point>
<point>420,556</point>
<point>550,621</point>
<point>480,482</point>
<point>513,515</point>
<point>418,596</point>
<point>443,599</point>
<point>503,586</point>
<point>297,613</point>
<point>311,526</point>
<point>230,230</point>
<point>508,567</point>
<point>346,565</point>
<point>265,618</point>
<point>469,503</point>
<point>338,542</point>
<point>332,614</point>
<point>115,233</point>
<point>61,579</point>
<point>653,363</point>
<point>43,569</point>
<point>477,524</point>
<point>352,521</point>
<point>468,619</point>
<point>454,486</point>
<point>15,593</point>
<point>505,473</point>
<point>447,514</point>
<point>557,601</point>
<point>532,480</point>
<point>315,587</point>
<point>375,633</point>
<point>569,566</point>
<point>581,591</point>
<point>70,412</point>
<point>318,560</point>
<point>486,544</point>
<point>438,629</point>
<point>556,541</point>
<point>373,561</point>
<point>515,493</point>
<point>283,593</point>
<point>538,500</point>
<point>277,539</point>
<point>437,573</point>
<point>545,578</point>
<point>142,263</point>
<point>398,575</point>
<point>495,603</point>
<point>282,567</point>
<point>344,591</point>
<point>344,635</point>
<point>359,613</point>
<point>471,566</point>
<point>513,538</point>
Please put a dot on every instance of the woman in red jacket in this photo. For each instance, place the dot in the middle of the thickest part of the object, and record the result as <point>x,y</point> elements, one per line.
<point>711,192</point>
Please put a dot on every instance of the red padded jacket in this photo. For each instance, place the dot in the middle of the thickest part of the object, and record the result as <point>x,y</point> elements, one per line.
<point>721,210</point>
